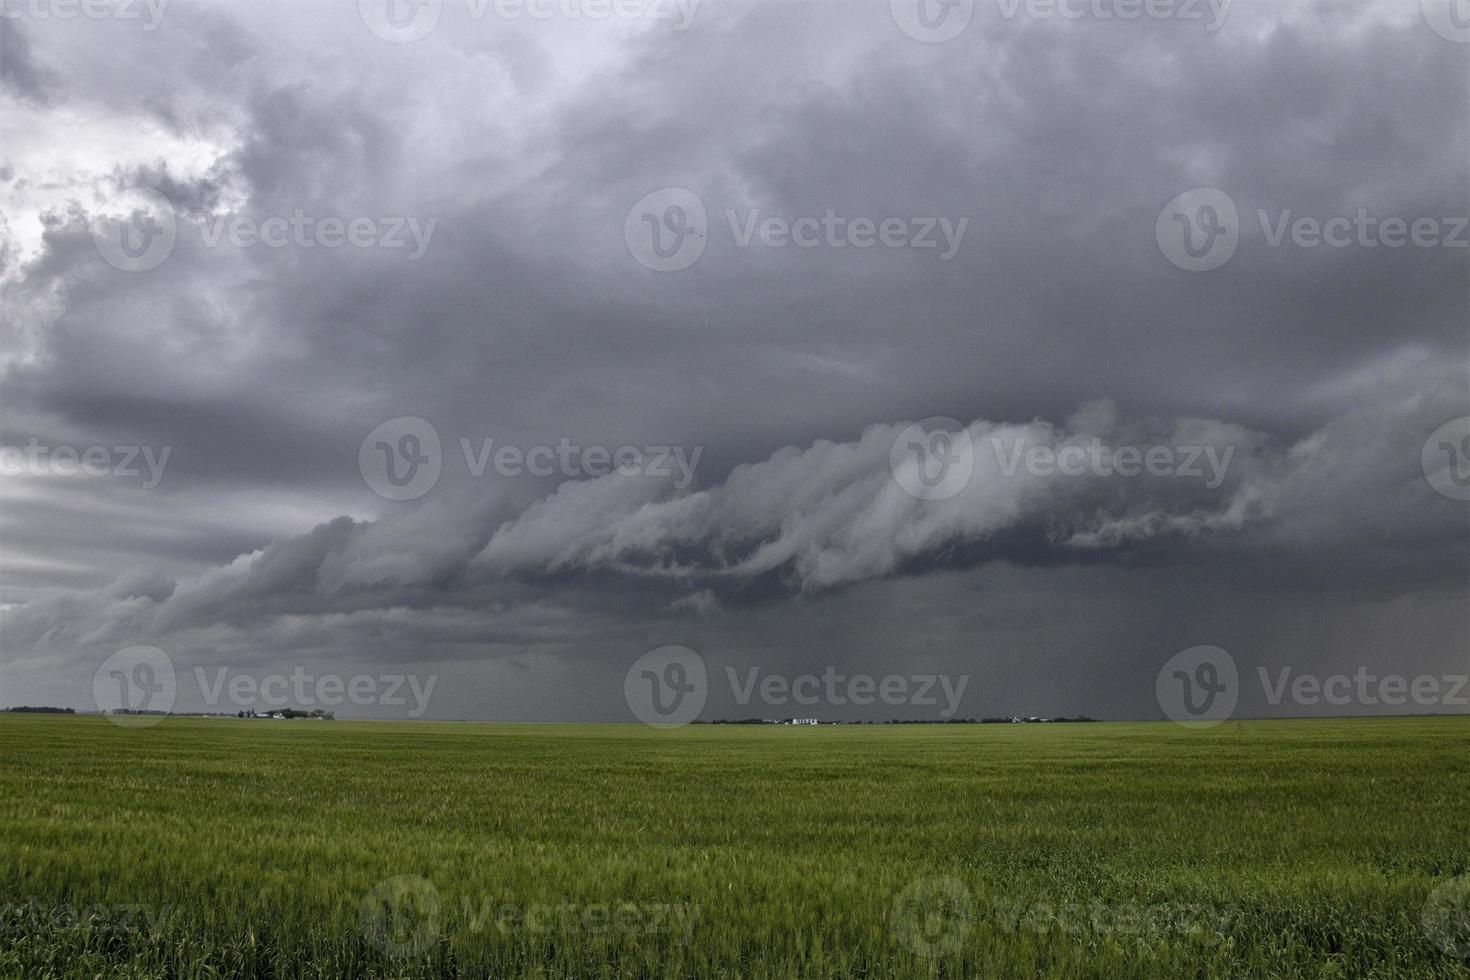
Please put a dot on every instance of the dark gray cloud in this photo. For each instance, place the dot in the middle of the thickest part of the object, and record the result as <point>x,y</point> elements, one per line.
<point>527,320</point>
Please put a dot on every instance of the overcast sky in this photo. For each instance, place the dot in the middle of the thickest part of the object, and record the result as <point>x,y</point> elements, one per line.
<point>274,274</point>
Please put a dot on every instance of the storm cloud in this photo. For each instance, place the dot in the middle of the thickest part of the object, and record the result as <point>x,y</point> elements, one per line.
<point>370,226</point>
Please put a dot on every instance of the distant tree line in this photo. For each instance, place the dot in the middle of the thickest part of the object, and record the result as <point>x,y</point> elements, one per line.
<point>901,721</point>
<point>42,710</point>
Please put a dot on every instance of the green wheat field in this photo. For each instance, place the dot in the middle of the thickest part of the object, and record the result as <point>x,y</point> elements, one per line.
<point>220,847</point>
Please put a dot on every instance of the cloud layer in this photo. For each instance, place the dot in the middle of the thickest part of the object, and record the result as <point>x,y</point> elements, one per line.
<point>1304,379</point>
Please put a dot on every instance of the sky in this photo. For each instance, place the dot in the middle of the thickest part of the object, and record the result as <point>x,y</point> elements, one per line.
<point>550,359</point>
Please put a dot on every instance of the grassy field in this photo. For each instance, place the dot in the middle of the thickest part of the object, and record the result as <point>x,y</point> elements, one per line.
<point>220,847</point>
